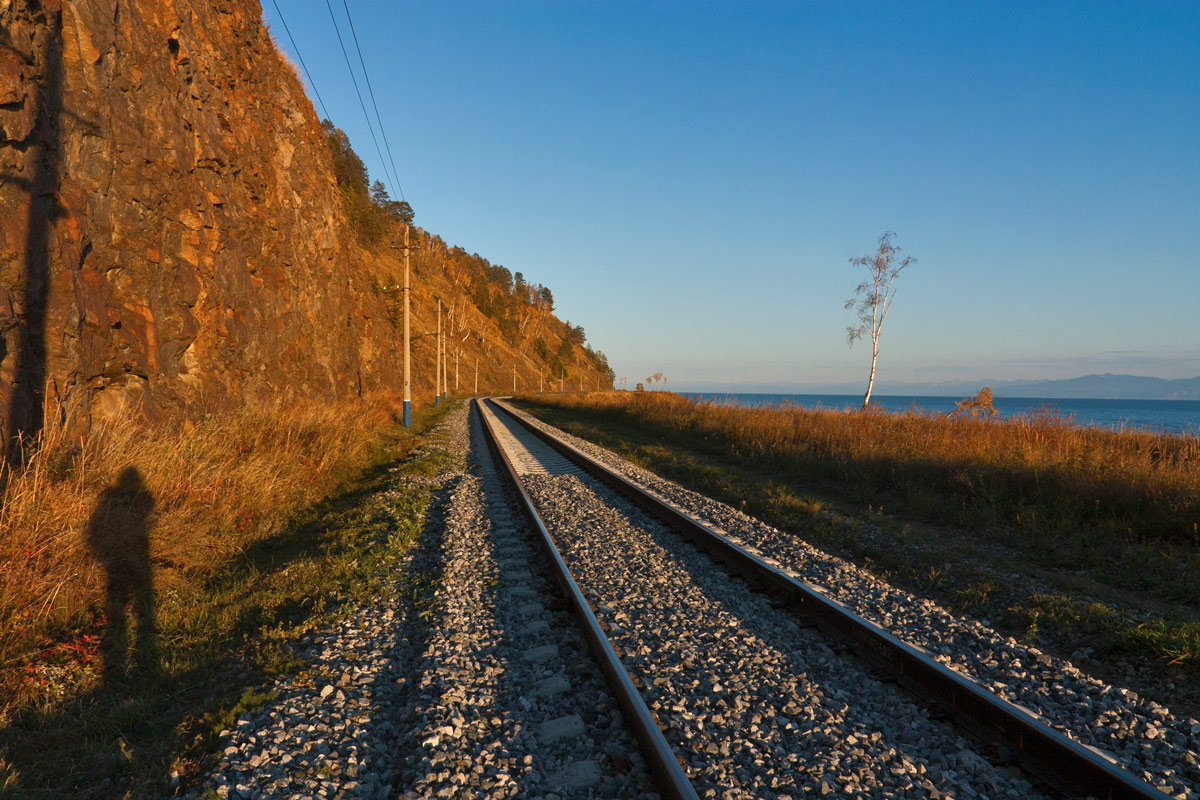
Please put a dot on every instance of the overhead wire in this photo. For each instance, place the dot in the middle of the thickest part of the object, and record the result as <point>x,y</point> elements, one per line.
<point>357,91</point>
<point>296,49</point>
<point>371,93</point>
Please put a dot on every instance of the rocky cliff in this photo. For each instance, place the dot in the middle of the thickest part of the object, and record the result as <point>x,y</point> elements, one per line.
<point>171,232</point>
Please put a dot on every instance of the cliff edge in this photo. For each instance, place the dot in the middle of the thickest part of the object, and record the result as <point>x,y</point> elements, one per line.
<point>172,233</point>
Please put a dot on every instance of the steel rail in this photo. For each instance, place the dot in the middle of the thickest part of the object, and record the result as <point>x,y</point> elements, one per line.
<point>1033,744</point>
<point>661,760</point>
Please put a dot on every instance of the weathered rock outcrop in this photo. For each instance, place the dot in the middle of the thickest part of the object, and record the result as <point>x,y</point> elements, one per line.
<point>170,227</point>
<point>172,230</point>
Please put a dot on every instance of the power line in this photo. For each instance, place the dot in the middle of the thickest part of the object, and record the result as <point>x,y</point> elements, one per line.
<point>357,91</point>
<point>371,92</point>
<point>296,48</point>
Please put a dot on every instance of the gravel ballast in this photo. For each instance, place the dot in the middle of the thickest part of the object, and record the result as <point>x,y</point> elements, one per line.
<point>1141,735</point>
<point>757,705</point>
<point>465,678</point>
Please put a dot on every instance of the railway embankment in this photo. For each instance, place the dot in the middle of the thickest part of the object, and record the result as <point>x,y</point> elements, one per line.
<point>1082,736</point>
<point>409,638</point>
<point>1078,542</point>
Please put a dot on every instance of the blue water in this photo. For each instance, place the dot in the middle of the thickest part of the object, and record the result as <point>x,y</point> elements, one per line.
<point>1175,416</point>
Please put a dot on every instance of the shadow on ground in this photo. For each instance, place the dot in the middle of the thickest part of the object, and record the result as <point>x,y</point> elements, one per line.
<point>168,689</point>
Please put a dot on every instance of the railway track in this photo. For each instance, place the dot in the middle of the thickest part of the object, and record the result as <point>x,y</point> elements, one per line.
<point>739,677</point>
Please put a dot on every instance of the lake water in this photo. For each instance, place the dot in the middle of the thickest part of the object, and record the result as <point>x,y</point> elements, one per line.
<point>1176,416</point>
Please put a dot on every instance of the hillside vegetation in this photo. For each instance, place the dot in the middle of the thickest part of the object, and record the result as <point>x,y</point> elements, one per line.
<point>493,314</point>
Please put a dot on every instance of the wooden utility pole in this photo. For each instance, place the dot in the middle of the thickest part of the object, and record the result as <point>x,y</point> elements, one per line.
<point>456,352</point>
<point>437,368</point>
<point>476,376</point>
<point>407,290</point>
<point>514,376</point>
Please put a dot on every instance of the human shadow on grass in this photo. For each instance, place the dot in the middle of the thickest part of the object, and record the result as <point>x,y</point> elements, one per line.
<point>118,535</point>
<point>154,712</point>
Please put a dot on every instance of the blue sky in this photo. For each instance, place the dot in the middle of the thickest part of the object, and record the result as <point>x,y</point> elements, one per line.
<point>691,178</point>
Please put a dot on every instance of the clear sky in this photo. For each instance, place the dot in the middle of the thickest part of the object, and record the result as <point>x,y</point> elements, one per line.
<point>691,178</point>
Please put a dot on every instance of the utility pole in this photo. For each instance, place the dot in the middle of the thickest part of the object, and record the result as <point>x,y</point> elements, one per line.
<point>437,368</point>
<point>456,352</point>
<point>407,290</point>
<point>444,334</point>
<point>514,376</point>
<point>476,376</point>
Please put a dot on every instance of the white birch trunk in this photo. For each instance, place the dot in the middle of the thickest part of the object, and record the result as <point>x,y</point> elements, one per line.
<point>871,380</point>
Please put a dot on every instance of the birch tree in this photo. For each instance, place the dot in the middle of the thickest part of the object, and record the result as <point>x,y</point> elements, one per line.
<point>873,297</point>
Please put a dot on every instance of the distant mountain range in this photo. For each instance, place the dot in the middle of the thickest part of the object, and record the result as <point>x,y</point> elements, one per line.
<point>1106,385</point>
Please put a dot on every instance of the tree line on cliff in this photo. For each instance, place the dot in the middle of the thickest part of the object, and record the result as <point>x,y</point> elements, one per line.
<point>521,310</point>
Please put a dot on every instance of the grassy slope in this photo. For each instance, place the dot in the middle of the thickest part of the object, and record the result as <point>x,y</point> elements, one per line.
<point>1124,607</point>
<point>222,629</point>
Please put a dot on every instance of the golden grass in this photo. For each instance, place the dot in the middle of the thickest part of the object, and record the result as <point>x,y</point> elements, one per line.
<point>1037,472</point>
<point>216,487</point>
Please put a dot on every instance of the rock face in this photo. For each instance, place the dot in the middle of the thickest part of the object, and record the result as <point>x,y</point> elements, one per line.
<point>171,232</point>
<point>172,229</point>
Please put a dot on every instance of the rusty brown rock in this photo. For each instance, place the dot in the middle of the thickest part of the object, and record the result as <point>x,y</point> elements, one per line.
<point>170,216</point>
<point>170,224</point>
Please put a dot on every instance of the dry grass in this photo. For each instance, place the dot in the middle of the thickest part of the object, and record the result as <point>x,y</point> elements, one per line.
<point>199,496</point>
<point>1037,472</point>
<point>1080,541</point>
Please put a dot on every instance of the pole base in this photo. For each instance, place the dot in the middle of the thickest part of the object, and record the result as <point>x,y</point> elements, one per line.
<point>437,399</point>
<point>408,413</point>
